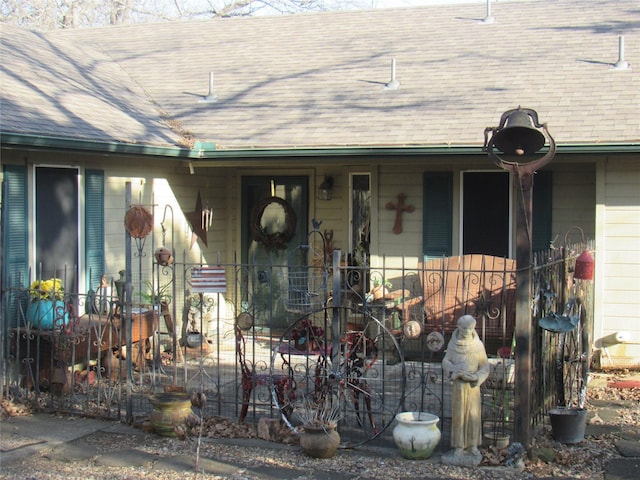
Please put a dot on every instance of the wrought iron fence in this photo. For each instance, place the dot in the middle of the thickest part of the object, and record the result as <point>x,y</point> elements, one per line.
<point>381,336</point>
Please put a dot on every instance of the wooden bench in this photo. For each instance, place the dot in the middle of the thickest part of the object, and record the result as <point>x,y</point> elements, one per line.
<point>480,285</point>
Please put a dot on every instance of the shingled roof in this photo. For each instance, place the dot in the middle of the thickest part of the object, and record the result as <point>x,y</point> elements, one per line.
<point>319,80</point>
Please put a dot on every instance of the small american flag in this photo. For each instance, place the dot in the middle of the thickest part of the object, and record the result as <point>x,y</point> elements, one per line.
<point>208,280</point>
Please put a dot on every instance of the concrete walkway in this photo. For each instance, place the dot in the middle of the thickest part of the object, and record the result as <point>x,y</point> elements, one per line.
<point>22,437</point>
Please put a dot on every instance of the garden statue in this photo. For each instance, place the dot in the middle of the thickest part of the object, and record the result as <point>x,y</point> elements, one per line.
<point>465,364</point>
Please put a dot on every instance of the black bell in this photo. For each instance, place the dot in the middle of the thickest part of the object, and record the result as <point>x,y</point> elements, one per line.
<point>517,134</point>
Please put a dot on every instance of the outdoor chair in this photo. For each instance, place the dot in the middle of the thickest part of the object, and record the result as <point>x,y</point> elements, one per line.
<point>283,384</point>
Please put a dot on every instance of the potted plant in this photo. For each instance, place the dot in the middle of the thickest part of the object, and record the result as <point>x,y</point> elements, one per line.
<point>319,437</point>
<point>155,296</point>
<point>501,382</point>
<point>47,309</point>
<point>380,288</point>
<point>496,431</point>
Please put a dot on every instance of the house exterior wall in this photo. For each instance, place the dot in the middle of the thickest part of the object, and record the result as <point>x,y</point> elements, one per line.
<point>618,263</point>
<point>611,184</point>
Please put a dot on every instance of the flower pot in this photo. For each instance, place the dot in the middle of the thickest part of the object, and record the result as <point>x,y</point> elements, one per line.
<point>194,339</point>
<point>47,314</point>
<point>568,424</point>
<point>163,256</point>
<point>320,442</point>
<point>169,411</point>
<point>416,434</point>
<point>496,439</point>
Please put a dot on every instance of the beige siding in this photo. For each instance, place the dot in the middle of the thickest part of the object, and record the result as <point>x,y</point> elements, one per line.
<point>574,192</point>
<point>618,308</point>
<point>393,180</point>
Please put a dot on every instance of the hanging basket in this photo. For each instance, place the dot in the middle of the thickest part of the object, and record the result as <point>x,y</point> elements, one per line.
<point>138,221</point>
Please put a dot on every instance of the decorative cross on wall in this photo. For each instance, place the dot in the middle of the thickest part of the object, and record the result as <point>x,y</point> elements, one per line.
<point>399,208</point>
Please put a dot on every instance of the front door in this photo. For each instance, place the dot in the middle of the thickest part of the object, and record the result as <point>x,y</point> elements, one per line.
<point>270,237</point>
<point>56,225</point>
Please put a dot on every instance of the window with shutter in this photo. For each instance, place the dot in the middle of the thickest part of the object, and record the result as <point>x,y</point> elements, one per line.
<point>94,228</point>
<point>542,210</point>
<point>15,261</point>
<point>438,214</point>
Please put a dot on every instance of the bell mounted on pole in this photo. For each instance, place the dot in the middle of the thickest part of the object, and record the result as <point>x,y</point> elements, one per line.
<point>518,134</point>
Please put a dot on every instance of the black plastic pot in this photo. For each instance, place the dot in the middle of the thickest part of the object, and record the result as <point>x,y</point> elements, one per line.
<point>568,424</point>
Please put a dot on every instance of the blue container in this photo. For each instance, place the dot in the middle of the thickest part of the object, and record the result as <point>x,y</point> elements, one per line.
<point>46,314</point>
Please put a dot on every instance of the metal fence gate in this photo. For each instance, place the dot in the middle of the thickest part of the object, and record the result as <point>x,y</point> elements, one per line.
<point>234,333</point>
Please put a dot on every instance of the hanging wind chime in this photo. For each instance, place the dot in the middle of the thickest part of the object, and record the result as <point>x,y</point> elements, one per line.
<point>201,220</point>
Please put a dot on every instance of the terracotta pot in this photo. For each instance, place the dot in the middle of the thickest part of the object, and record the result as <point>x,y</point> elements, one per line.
<point>163,256</point>
<point>320,442</point>
<point>416,434</point>
<point>169,411</point>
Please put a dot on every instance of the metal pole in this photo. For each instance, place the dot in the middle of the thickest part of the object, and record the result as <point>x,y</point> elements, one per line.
<point>126,308</point>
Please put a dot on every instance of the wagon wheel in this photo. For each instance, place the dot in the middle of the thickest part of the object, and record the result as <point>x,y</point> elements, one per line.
<point>573,357</point>
<point>346,366</point>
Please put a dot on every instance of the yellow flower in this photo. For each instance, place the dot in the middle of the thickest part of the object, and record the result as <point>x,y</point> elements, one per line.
<point>51,289</point>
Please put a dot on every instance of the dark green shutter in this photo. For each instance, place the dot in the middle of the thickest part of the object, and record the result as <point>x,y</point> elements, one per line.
<point>542,210</point>
<point>438,214</point>
<point>15,229</point>
<point>94,227</point>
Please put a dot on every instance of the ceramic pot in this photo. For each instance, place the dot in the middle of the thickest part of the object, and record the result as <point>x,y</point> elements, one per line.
<point>320,442</point>
<point>163,256</point>
<point>495,439</point>
<point>568,424</point>
<point>416,434</point>
<point>194,339</point>
<point>169,411</point>
<point>46,314</point>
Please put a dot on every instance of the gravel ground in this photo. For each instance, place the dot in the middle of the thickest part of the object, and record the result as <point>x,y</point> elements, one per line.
<point>546,458</point>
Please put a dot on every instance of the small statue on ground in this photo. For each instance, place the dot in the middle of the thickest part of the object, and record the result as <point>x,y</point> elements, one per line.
<point>466,364</point>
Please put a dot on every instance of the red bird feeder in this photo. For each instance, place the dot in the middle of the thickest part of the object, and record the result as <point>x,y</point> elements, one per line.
<point>584,266</point>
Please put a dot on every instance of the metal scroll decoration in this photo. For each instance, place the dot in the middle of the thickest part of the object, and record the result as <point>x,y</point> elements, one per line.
<point>274,235</point>
<point>138,221</point>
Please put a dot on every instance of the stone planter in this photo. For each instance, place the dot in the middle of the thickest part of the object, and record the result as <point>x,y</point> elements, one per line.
<point>416,434</point>
<point>169,411</point>
<point>320,442</point>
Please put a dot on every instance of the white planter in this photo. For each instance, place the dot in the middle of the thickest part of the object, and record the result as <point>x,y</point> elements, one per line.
<point>416,434</point>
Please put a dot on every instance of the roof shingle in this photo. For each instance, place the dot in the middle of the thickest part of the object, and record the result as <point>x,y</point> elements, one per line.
<point>318,79</point>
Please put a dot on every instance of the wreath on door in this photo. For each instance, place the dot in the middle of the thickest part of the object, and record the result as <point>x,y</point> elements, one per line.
<point>277,240</point>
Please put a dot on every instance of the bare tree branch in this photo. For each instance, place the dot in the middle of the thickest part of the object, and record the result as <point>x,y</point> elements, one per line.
<point>53,14</point>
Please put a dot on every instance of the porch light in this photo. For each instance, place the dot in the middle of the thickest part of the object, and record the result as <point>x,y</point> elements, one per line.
<point>324,191</point>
